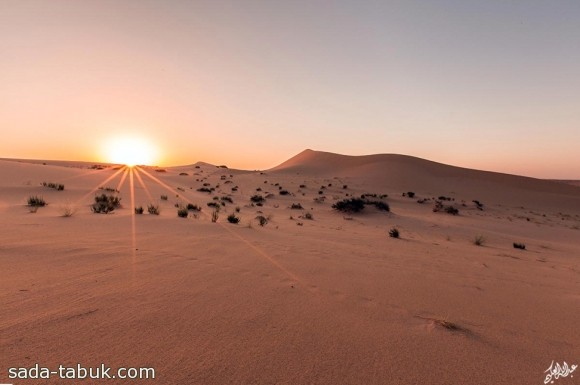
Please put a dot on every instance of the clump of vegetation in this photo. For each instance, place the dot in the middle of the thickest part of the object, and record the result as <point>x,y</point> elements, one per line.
<point>284,192</point>
<point>153,209</point>
<point>380,205</point>
<point>394,233</point>
<point>439,206</point>
<point>232,218</point>
<point>105,203</point>
<point>182,212</point>
<point>215,205</point>
<point>345,187</point>
<point>352,205</point>
<point>215,215</point>
<point>478,204</point>
<point>257,198</point>
<point>192,207</point>
<point>302,186</point>
<point>479,240</point>
<point>227,199</point>
<point>163,197</point>
<point>56,186</point>
<point>67,210</point>
<point>262,220</point>
<point>444,198</point>
<point>183,174</point>
<point>308,216</point>
<point>520,246</point>
<point>109,189</point>
<point>208,190</point>
<point>139,210</point>
<point>410,194</point>
<point>296,206</point>
<point>36,201</point>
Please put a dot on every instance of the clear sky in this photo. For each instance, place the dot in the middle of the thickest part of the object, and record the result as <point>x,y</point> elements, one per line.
<point>485,84</point>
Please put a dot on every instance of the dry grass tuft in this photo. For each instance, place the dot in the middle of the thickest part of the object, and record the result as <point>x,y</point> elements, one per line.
<point>445,324</point>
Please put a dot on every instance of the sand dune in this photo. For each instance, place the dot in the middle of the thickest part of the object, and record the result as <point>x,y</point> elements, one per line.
<point>327,300</point>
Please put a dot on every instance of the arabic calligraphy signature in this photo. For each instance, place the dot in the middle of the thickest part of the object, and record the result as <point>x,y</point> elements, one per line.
<point>556,371</point>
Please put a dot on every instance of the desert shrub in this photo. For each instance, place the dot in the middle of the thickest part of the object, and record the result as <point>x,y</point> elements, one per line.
<point>182,212</point>
<point>105,203</point>
<point>302,186</point>
<point>257,198</point>
<point>205,189</point>
<point>216,198</point>
<point>160,170</point>
<point>215,205</point>
<point>235,188</point>
<point>478,204</point>
<point>479,240</point>
<point>139,210</point>
<point>352,205</point>
<point>345,187</point>
<point>410,194</point>
<point>163,197</point>
<point>238,209</point>
<point>259,189</point>
<point>36,201</point>
<point>183,174</point>
<point>380,205</point>
<point>67,210</point>
<point>262,220</point>
<point>153,209</point>
<point>56,186</point>
<point>227,199</point>
<point>109,189</point>
<point>284,192</point>
<point>519,246</point>
<point>320,192</point>
<point>192,207</point>
<point>215,215</point>
<point>233,219</point>
<point>308,216</point>
<point>296,206</point>
<point>451,210</point>
<point>439,206</point>
<point>394,233</point>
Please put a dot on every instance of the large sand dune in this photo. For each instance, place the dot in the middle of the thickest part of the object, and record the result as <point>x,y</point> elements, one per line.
<point>331,300</point>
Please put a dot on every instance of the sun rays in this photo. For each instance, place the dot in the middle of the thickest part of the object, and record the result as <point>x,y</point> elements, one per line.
<point>134,176</point>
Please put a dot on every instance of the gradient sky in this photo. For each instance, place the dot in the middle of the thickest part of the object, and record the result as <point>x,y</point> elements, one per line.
<point>492,85</point>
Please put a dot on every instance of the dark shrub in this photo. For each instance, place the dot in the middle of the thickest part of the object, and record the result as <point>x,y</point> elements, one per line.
<point>153,209</point>
<point>519,246</point>
<point>105,203</point>
<point>227,199</point>
<point>380,205</point>
<point>192,207</point>
<point>163,197</point>
<point>36,201</point>
<point>257,198</point>
<point>308,216</point>
<point>205,189</point>
<point>215,205</point>
<point>139,210</point>
<point>353,205</point>
<point>284,192</point>
<point>233,219</point>
<point>411,194</point>
<point>182,212</point>
<point>262,220</point>
<point>451,210</point>
<point>296,206</point>
<point>394,233</point>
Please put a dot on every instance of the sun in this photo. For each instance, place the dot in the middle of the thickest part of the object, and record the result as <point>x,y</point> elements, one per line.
<point>131,151</point>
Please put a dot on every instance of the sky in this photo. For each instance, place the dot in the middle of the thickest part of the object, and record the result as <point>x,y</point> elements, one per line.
<point>493,85</point>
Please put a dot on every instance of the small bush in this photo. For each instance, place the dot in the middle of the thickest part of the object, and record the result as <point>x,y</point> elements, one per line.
<point>139,210</point>
<point>302,186</point>
<point>109,189</point>
<point>410,194</point>
<point>451,210</point>
<point>380,205</point>
<point>262,220</point>
<point>182,212</point>
<point>227,199</point>
<point>205,189</point>
<point>353,205</point>
<point>163,197</point>
<point>215,205</point>
<point>479,240</point>
<point>520,246</point>
<point>192,207</point>
<point>284,192</point>
<point>233,219</point>
<point>36,201</point>
<point>296,206</point>
<point>153,209</point>
<point>105,203</point>
<point>308,216</point>
<point>257,198</point>
<point>56,186</point>
<point>67,210</point>
<point>215,215</point>
<point>394,233</point>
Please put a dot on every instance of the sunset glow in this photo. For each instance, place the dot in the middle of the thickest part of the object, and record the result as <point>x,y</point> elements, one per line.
<point>131,151</point>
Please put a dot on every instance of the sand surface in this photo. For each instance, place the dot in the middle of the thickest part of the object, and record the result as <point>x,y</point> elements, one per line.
<point>331,300</point>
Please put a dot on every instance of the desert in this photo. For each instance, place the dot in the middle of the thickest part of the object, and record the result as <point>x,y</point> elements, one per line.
<point>313,294</point>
